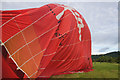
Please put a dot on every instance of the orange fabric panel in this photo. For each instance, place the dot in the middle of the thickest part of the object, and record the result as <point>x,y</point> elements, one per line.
<point>29,34</point>
<point>35,47</point>
<point>22,56</point>
<point>29,68</point>
<point>16,42</point>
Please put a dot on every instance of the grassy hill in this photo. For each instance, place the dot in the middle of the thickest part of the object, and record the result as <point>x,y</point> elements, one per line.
<point>113,54</point>
<point>110,54</point>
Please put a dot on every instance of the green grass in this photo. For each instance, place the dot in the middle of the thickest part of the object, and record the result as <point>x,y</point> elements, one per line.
<point>101,70</point>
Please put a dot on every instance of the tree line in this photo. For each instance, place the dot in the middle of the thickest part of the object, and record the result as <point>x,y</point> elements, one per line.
<point>107,59</point>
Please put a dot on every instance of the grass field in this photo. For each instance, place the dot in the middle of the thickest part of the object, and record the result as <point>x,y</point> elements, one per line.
<point>101,70</point>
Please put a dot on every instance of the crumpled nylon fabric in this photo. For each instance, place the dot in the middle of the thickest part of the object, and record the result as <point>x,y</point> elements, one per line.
<point>51,40</point>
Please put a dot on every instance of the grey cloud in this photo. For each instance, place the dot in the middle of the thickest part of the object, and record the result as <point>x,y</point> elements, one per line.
<point>105,37</point>
<point>103,49</point>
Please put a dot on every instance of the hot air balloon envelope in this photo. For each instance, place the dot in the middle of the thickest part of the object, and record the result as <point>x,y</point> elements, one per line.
<point>51,40</point>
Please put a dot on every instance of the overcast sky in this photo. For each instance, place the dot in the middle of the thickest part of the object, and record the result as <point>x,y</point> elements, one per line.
<point>101,17</point>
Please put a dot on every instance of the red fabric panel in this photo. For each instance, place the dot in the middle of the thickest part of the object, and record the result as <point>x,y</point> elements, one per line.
<point>10,64</point>
<point>7,72</point>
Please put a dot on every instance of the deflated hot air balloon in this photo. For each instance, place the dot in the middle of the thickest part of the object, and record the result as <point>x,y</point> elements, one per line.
<point>40,42</point>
